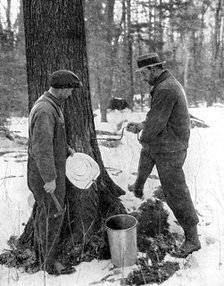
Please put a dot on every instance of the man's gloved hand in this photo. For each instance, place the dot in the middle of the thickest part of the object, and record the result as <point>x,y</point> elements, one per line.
<point>50,187</point>
<point>134,127</point>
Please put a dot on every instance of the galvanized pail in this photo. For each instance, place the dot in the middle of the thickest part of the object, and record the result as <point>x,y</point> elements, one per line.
<point>121,231</point>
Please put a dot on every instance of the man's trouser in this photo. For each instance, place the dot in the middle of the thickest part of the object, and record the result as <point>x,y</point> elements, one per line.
<point>176,192</point>
<point>47,227</point>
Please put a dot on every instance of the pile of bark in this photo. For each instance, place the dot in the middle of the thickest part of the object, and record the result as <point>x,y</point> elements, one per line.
<point>155,273</point>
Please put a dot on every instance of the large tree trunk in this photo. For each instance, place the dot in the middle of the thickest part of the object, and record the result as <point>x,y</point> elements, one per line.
<point>55,39</point>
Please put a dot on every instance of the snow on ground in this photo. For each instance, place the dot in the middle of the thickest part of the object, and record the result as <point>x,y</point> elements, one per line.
<point>204,169</point>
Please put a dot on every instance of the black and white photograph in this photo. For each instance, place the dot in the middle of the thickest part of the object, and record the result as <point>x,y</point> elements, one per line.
<point>111,142</point>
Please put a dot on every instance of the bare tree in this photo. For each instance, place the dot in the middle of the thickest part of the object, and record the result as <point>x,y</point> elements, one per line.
<point>101,32</point>
<point>129,56</point>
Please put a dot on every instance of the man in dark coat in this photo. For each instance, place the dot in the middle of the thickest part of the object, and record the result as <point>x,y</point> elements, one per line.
<point>47,153</point>
<point>164,138</point>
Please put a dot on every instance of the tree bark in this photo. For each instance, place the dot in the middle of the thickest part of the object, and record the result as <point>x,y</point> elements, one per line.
<point>55,39</point>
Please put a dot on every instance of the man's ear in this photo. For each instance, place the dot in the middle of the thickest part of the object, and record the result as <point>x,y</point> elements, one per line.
<point>153,69</point>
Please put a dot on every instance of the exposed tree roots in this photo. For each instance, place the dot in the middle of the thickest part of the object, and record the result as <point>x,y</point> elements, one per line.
<point>153,236</point>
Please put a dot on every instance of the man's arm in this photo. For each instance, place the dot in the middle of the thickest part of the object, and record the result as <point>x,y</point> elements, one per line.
<point>42,145</point>
<point>158,115</point>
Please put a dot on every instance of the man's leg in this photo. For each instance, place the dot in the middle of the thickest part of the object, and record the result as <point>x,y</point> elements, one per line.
<point>47,227</point>
<point>176,192</point>
<point>145,166</point>
<point>48,234</point>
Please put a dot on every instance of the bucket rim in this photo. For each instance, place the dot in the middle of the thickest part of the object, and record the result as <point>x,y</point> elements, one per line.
<point>108,228</point>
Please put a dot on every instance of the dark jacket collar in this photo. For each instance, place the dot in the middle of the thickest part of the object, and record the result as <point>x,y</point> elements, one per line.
<point>53,98</point>
<point>165,74</point>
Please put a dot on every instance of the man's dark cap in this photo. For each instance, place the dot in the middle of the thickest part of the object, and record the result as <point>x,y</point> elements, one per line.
<point>64,79</point>
<point>148,60</point>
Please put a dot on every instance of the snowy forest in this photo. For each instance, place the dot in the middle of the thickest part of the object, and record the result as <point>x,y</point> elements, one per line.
<point>100,40</point>
<point>188,35</point>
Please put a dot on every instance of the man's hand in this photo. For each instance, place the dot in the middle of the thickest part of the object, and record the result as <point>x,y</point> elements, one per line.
<point>50,187</point>
<point>134,127</point>
<point>70,151</point>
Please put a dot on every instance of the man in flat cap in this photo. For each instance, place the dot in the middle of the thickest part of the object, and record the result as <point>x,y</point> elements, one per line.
<point>164,138</point>
<point>47,153</point>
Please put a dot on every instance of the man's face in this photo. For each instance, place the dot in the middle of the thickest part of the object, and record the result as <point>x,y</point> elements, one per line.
<point>65,93</point>
<point>148,75</point>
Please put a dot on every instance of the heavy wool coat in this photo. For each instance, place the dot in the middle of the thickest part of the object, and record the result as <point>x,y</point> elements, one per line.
<point>47,152</point>
<point>165,139</point>
<point>167,124</point>
<point>47,138</point>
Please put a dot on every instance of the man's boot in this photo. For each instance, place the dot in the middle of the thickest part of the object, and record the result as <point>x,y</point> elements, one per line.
<point>138,191</point>
<point>190,244</point>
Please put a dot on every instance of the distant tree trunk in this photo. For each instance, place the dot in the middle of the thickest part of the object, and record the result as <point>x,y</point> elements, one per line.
<point>9,38</point>
<point>186,55</point>
<point>171,35</point>
<point>155,28</point>
<point>201,55</point>
<point>221,75</point>
<point>20,39</point>
<point>129,57</point>
<point>216,49</point>
<point>161,28</point>
<point>107,64</point>
<point>100,27</point>
<point>8,14</point>
<point>218,18</point>
<point>95,44</point>
<point>151,24</point>
<point>55,39</point>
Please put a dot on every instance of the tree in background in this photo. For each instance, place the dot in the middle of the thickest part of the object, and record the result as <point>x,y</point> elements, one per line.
<point>188,34</point>
<point>129,56</point>
<point>13,88</point>
<point>102,43</point>
<point>55,39</point>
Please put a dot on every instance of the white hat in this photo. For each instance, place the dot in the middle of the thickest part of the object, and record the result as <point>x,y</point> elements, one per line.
<point>81,170</point>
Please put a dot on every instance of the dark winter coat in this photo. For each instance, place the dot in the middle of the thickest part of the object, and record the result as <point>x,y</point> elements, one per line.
<point>167,124</point>
<point>47,150</point>
<point>47,139</point>
<point>46,162</point>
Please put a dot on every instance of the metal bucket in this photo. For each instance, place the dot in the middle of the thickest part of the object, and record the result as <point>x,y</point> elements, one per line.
<point>121,231</point>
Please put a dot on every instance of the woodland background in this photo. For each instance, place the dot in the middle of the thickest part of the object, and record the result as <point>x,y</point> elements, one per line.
<point>188,35</point>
